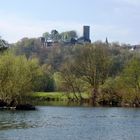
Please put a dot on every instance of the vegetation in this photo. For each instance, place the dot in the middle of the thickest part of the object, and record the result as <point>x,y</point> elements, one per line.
<point>56,36</point>
<point>102,73</point>
<point>18,76</point>
<point>40,97</point>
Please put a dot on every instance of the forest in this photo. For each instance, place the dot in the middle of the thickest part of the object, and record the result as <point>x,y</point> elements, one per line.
<point>109,73</point>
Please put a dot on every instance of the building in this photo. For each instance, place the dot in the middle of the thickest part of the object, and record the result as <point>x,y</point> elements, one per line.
<point>3,44</point>
<point>86,33</point>
<point>134,48</point>
<point>81,40</point>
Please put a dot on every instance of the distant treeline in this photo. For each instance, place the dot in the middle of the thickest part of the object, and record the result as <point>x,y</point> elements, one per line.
<point>109,72</point>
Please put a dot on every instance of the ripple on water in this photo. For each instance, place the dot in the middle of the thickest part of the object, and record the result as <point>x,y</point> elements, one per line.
<point>61,123</point>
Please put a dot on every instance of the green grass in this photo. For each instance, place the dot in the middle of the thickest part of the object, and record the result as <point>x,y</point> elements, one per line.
<point>55,95</point>
<point>53,98</point>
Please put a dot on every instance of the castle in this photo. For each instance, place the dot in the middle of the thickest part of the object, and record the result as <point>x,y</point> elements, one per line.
<point>81,40</point>
<point>3,44</point>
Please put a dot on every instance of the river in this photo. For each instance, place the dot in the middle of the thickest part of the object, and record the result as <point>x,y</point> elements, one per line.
<point>71,123</point>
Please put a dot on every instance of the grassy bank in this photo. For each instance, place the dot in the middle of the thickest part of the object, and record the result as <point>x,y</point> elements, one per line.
<point>54,96</point>
<point>56,99</point>
<point>49,96</point>
<point>61,99</point>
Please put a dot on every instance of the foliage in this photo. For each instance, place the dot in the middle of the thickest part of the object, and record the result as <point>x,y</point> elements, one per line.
<point>17,77</point>
<point>92,65</point>
<point>54,96</point>
<point>110,72</point>
<point>45,82</point>
<point>110,93</point>
<point>67,36</point>
<point>68,82</point>
<point>56,36</point>
<point>131,80</point>
<point>28,47</point>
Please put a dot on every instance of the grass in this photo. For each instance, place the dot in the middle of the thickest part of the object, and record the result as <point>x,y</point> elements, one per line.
<point>55,95</point>
<point>54,99</point>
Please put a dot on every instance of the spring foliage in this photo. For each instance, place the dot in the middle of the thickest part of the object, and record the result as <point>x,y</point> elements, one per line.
<point>18,76</point>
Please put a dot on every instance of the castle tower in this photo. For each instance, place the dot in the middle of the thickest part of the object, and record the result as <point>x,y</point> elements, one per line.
<point>86,32</point>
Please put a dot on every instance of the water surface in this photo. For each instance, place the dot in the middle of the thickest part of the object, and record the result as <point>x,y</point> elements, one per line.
<point>71,123</point>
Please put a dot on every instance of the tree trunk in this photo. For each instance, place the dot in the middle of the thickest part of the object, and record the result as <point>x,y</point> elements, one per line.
<point>94,96</point>
<point>74,93</point>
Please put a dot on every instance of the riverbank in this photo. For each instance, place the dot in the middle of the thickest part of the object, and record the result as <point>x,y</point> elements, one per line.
<point>5,106</point>
<point>56,96</point>
<point>61,99</point>
<point>58,99</point>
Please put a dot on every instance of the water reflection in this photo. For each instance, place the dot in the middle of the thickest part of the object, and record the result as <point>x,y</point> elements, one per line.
<point>14,125</point>
<point>16,120</point>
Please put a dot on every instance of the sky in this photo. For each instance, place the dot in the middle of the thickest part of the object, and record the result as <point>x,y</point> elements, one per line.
<point>118,20</point>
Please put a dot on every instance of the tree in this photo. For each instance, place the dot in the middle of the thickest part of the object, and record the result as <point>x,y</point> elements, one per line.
<point>67,36</point>
<point>46,35</point>
<point>17,78</point>
<point>131,80</point>
<point>110,92</point>
<point>55,35</point>
<point>45,82</point>
<point>69,82</point>
<point>28,47</point>
<point>92,63</point>
<point>120,57</point>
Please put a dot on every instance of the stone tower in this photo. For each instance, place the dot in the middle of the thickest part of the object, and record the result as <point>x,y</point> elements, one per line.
<point>86,33</point>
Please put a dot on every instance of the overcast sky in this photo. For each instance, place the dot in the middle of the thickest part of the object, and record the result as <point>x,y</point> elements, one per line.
<point>119,20</point>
